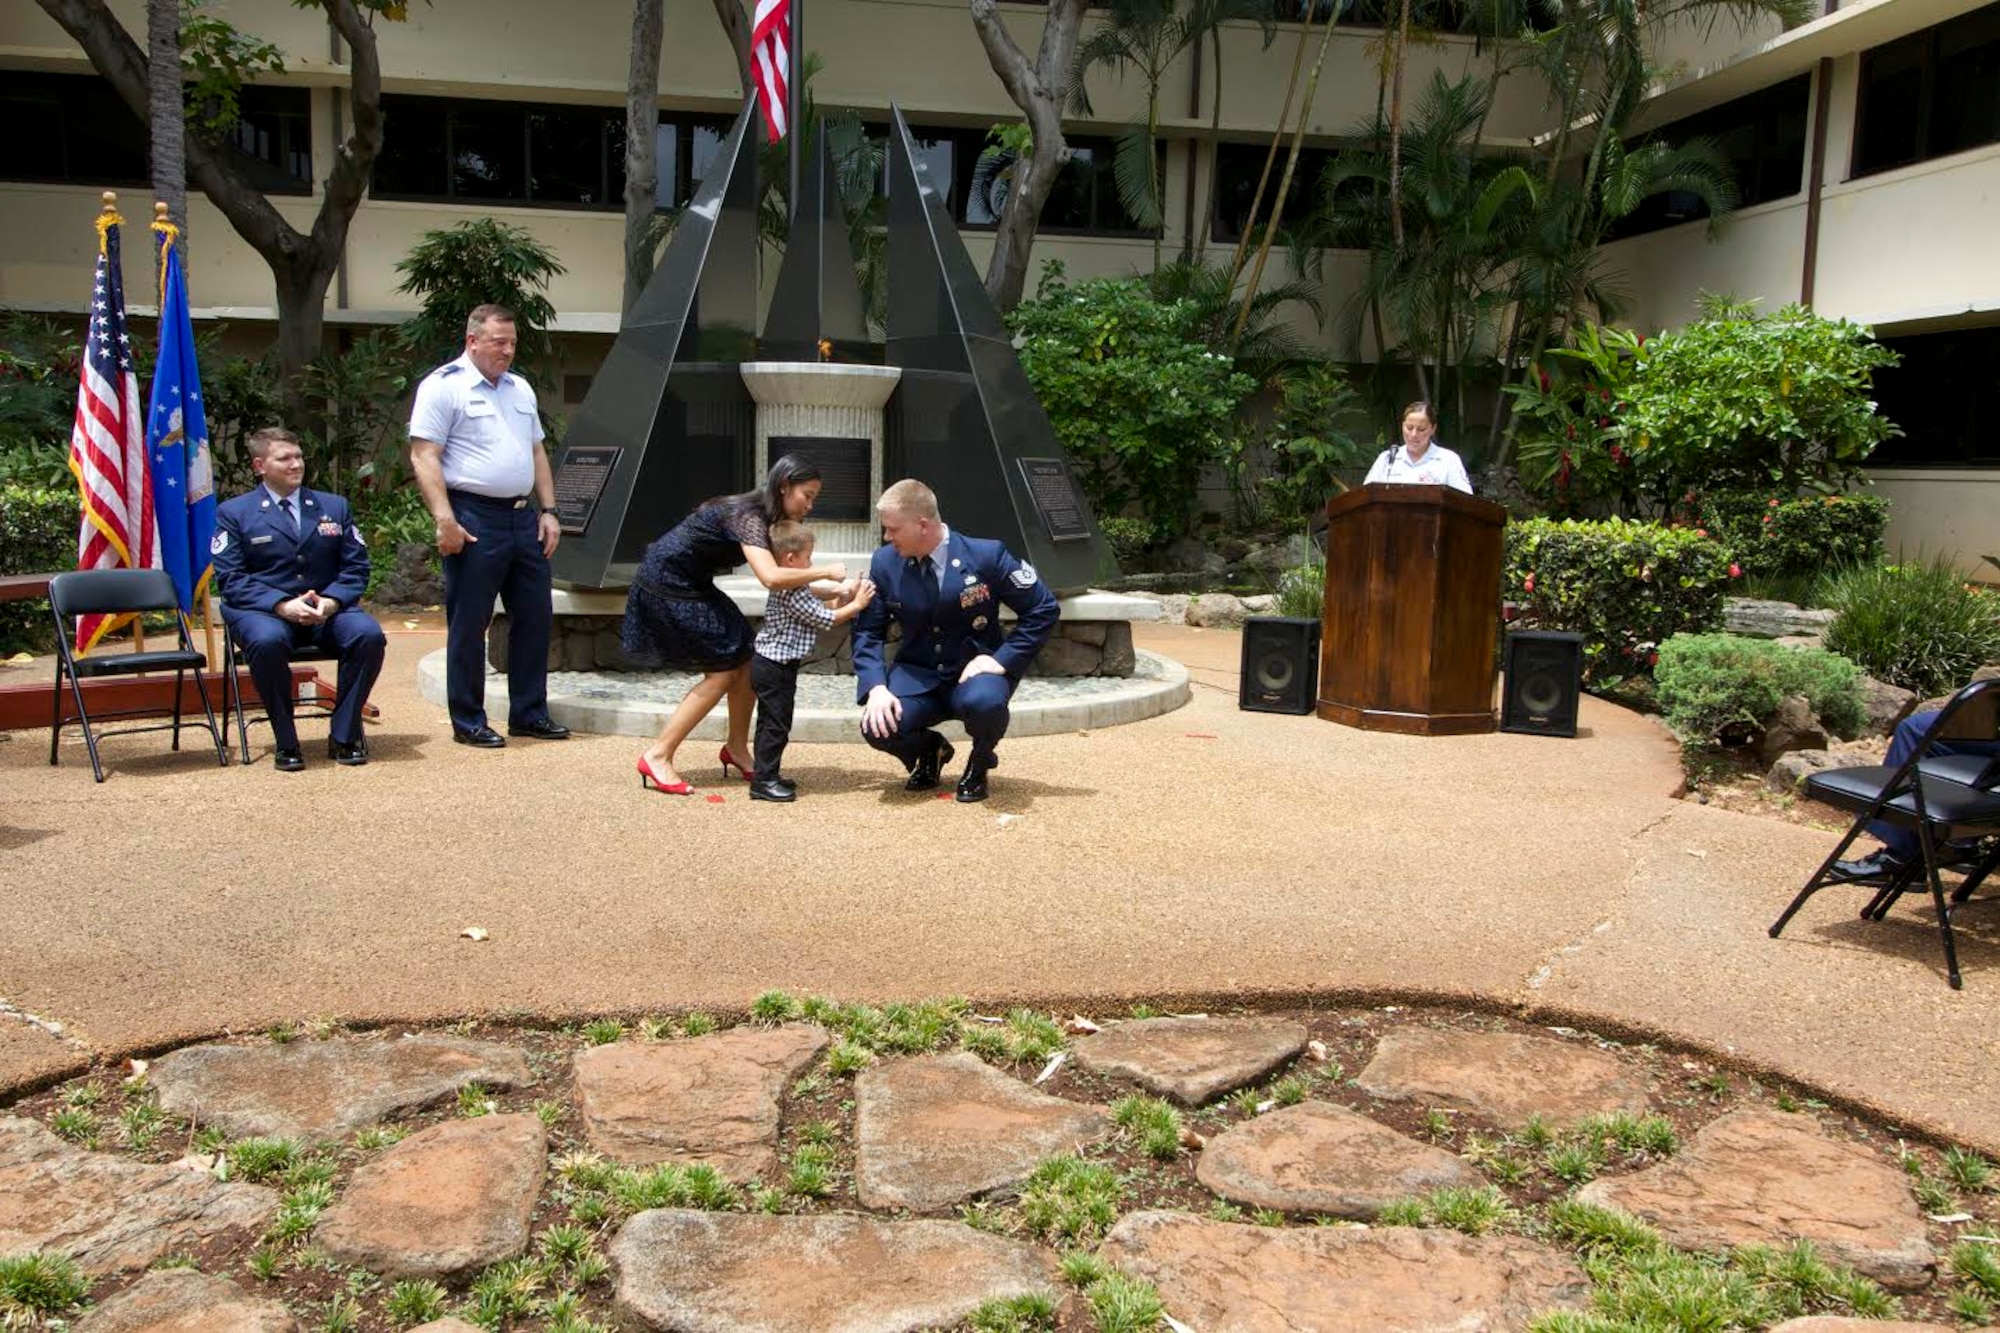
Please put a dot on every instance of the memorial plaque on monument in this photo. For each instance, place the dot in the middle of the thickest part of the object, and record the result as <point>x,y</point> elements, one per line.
<point>580,482</point>
<point>1055,497</point>
<point>845,492</point>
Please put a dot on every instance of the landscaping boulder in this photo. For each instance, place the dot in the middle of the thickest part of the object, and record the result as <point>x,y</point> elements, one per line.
<point>1216,610</point>
<point>1761,619</point>
<point>1790,770</point>
<point>1796,727</point>
<point>413,578</point>
<point>1884,705</point>
<point>1187,555</point>
<point>175,1299</point>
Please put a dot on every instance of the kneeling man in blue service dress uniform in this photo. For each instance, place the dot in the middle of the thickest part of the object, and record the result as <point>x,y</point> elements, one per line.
<point>291,566</point>
<point>945,591</point>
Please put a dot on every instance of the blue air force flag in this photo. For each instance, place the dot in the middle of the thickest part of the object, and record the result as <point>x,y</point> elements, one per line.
<point>177,442</point>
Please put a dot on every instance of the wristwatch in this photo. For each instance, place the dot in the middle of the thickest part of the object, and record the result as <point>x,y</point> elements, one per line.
<point>550,509</point>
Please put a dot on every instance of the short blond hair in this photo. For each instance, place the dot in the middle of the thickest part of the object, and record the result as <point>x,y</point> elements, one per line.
<point>787,537</point>
<point>259,444</point>
<point>911,497</point>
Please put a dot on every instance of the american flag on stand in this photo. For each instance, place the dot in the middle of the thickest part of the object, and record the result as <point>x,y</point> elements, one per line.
<point>107,445</point>
<point>770,62</point>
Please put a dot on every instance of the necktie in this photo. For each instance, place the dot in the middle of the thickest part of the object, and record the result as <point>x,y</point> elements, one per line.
<point>923,590</point>
<point>290,517</point>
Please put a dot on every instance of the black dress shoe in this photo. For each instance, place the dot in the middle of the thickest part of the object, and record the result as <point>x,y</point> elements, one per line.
<point>288,761</point>
<point>773,790</point>
<point>972,786</point>
<point>924,774</point>
<point>341,752</point>
<point>1882,865</point>
<point>484,738</point>
<point>541,728</point>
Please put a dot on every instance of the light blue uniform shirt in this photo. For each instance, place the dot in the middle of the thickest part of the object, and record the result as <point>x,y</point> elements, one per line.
<point>489,431</point>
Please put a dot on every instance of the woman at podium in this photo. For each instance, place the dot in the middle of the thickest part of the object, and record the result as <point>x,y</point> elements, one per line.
<point>1420,460</point>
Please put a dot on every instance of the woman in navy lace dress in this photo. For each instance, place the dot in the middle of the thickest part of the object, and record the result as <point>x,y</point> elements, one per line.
<point>676,617</point>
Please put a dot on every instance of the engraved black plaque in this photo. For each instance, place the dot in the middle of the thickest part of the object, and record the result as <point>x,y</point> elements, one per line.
<point>1053,491</point>
<point>580,482</point>
<point>845,492</point>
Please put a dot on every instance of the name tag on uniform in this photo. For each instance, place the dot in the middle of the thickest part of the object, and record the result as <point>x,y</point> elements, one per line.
<point>259,541</point>
<point>478,407</point>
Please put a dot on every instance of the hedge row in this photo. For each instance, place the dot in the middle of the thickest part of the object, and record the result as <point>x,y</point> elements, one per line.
<point>37,536</point>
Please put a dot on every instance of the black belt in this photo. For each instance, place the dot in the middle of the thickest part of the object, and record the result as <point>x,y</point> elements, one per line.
<point>503,501</point>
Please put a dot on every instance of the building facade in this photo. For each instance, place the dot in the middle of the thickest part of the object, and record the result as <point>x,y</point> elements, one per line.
<point>1867,144</point>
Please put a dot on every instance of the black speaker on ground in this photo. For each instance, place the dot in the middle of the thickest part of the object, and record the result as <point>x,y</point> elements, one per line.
<point>1280,664</point>
<point>1544,682</point>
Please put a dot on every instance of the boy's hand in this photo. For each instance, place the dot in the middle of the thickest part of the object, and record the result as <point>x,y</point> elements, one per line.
<point>864,592</point>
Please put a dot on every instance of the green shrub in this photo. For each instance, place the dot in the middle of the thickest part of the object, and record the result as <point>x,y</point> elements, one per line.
<point>1708,683</point>
<point>1798,539</point>
<point>1302,591</point>
<point>37,536</point>
<point>1626,587</point>
<point>1918,625</point>
<point>1128,538</point>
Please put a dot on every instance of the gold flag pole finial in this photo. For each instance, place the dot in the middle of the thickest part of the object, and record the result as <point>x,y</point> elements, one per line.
<point>167,234</point>
<point>108,218</point>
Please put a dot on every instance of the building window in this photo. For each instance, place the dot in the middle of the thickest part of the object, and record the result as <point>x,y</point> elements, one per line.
<point>974,178</point>
<point>1942,397</point>
<point>684,147</point>
<point>439,149</point>
<point>1238,167</point>
<point>1763,137</point>
<point>1929,94</point>
<point>271,141</point>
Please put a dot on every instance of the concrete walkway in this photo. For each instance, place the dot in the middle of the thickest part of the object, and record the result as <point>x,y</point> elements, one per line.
<point>1207,855</point>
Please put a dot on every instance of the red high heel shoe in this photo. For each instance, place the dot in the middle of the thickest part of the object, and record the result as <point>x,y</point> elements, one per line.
<point>728,763</point>
<point>648,778</point>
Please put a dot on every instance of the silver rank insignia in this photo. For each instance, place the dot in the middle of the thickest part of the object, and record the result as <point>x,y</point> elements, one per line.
<point>979,622</point>
<point>1024,577</point>
<point>220,543</point>
<point>971,579</point>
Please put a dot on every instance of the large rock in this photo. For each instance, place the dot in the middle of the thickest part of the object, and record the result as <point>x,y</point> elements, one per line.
<point>1509,1078</point>
<point>443,1202</point>
<point>1794,727</point>
<point>1226,1278</point>
<point>112,1215</point>
<point>933,1131</point>
<point>1760,619</point>
<point>325,1089</point>
<point>1757,1177</point>
<point>181,1300</point>
<point>1884,705</point>
<point>696,1272</point>
<point>712,1099</point>
<point>1319,1158</point>
<point>1187,555</point>
<point>1216,610</point>
<point>414,577</point>
<point>1192,1060</point>
<point>1789,771</point>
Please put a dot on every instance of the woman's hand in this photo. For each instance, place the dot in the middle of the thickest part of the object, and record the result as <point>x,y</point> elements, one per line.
<point>836,572</point>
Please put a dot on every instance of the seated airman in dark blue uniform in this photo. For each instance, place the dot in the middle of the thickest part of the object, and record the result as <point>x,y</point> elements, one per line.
<point>945,591</point>
<point>290,566</point>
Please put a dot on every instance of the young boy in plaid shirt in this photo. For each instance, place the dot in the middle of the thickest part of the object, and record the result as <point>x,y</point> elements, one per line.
<point>793,621</point>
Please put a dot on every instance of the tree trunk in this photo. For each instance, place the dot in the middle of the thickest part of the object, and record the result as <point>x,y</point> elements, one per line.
<point>736,27</point>
<point>1038,90</point>
<point>1236,259</point>
<point>1397,60</point>
<point>169,121</point>
<point>1284,184</point>
<point>642,173</point>
<point>302,264</point>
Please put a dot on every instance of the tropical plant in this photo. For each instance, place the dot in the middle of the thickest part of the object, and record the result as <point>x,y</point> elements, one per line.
<point>1568,415</point>
<point>1308,444</point>
<point>38,378</point>
<point>452,271</point>
<point>1917,624</point>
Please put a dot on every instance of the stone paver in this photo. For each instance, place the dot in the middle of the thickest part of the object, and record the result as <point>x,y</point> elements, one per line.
<point>931,1132</point>
<point>1503,1076</point>
<point>1763,1177</point>
<point>1228,1278</point>
<point>712,1099</point>
<point>109,1214</point>
<point>1192,1060</point>
<point>1319,1158</point>
<point>443,1202</point>
<point>181,1300</point>
<point>325,1089</point>
<point>1823,1323</point>
<point>696,1272</point>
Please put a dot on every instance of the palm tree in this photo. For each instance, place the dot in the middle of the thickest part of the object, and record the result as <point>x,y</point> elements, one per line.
<point>1146,36</point>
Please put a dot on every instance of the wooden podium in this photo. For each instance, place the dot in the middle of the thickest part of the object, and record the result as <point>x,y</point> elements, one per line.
<point>1412,617</point>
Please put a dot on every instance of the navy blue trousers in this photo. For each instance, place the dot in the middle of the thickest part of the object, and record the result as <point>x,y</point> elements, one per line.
<point>1902,842</point>
<point>266,643</point>
<point>506,562</point>
<point>980,704</point>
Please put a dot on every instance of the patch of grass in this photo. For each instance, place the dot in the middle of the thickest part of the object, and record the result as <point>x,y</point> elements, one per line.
<point>1144,1011</point>
<point>603,1031</point>
<point>1223,1211</point>
<point>266,1262</point>
<point>474,1101</point>
<point>1716,1085</point>
<point>550,1112</point>
<point>258,1159</point>
<point>1970,1307</point>
<point>1151,1122</point>
<point>209,1141</point>
<point>986,1043</point>
<point>1796,1282</point>
<point>41,1284</point>
<point>78,1124</point>
<point>811,1173</point>
<point>1537,1133</point>
<point>416,1302</point>
<point>1573,1162</point>
<point>1977,1266</point>
<point>1437,1126</point>
<point>1596,1230</point>
<point>1267,1217</point>
<point>1027,1313</point>
<point>1068,1199</point>
<point>1934,1196</point>
<point>1968,1170</point>
<point>698,1024</point>
<point>1474,1211</point>
<point>767,1200</point>
<point>809,1085</point>
<point>1124,1304</point>
<point>848,1057</point>
<point>564,1245</point>
<point>655,1029</point>
<point>299,1210</point>
<point>983,1215</point>
<point>773,1007</point>
<point>1081,1268</point>
<point>1034,1037</point>
<point>377,1137</point>
<point>341,1315</point>
<point>312,1169</point>
<point>139,1124</point>
<point>1401,1213</point>
<point>506,1291</point>
<point>1628,1133</point>
<point>1290,1090</point>
<point>818,1131</point>
<point>1245,1101</point>
<point>282,1034</point>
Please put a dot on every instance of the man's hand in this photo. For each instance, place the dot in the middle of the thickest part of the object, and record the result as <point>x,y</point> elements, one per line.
<point>301,610</point>
<point>451,537</point>
<point>982,665</point>
<point>550,530</point>
<point>882,714</point>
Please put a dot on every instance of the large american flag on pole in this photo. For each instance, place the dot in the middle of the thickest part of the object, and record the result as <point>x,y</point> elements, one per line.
<point>107,445</point>
<point>770,62</point>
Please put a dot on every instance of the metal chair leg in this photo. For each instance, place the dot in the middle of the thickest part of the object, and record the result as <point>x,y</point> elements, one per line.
<point>218,734</point>
<point>1818,881</point>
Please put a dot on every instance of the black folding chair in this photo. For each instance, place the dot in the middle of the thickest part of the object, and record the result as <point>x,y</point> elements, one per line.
<point>1944,797</point>
<point>90,592</point>
<point>232,688</point>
